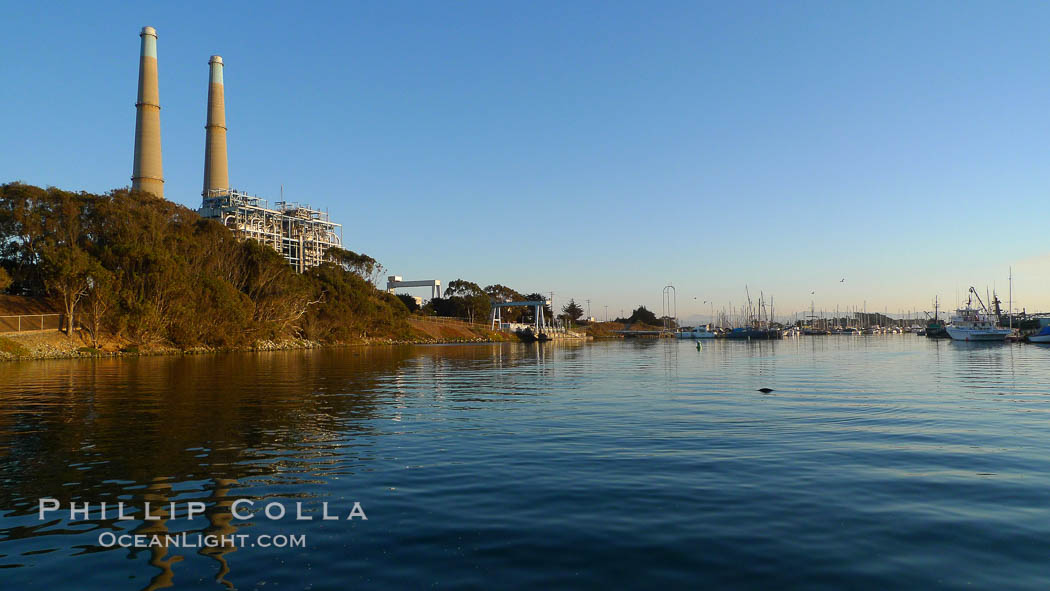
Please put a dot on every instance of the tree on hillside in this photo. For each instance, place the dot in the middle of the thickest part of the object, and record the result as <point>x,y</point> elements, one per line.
<point>463,299</point>
<point>572,310</point>
<point>365,266</point>
<point>97,300</point>
<point>22,213</point>
<point>463,288</point>
<point>502,293</point>
<point>408,301</point>
<point>643,316</point>
<point>139,269</point>
<point>537,297</point>
<point>64,263</point>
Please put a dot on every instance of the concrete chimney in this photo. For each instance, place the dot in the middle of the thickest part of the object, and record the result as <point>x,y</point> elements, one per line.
<point>216,170</point>
<point>148,174</point>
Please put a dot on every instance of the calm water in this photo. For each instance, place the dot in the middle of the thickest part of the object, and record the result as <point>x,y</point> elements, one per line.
<point>877,461</point>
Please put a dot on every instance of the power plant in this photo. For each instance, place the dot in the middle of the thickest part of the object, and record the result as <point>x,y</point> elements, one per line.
<point>301,234</point>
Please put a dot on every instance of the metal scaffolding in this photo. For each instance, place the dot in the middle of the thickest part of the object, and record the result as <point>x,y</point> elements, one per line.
<point>301,234</point>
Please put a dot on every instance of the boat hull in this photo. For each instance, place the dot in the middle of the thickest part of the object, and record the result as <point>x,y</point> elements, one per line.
<point>966,334</point>
<point>1042,336</point>
<point>936,330</point>
<point>755,334</point>
<point>697,334</point>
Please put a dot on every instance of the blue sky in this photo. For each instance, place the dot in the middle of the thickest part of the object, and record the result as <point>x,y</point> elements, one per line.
<point>598,150</point>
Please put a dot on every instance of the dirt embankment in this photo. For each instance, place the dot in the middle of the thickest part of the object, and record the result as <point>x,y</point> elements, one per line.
<point>11,305</point>
<point>601,330</point>
<point>427,331</point>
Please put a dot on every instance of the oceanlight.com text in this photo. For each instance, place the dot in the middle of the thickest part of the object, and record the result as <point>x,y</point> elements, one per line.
<point>197,540</point>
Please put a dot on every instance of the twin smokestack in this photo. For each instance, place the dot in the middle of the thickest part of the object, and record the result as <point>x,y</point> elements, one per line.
<point>216,172</point>
<point>147,172</point>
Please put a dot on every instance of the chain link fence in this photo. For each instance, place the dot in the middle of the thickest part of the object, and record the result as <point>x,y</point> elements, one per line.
<point>30,322</point>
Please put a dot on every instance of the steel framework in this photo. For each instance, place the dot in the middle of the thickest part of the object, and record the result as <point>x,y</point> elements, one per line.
<point>301,234</point>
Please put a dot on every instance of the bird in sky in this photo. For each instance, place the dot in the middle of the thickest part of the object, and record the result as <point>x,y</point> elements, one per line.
<point>812,292</point>
<point>843,280</point>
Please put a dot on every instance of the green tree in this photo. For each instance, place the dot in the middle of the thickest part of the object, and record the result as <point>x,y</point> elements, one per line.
<point>463,299</point>
<point>365,266</point>
<point>643,316</point>
<point>463,288</point>
<point>97,300</point>
<point>64,264</point>
<point>572,310</point>
<point>408,301</point>
<point>502,293</point>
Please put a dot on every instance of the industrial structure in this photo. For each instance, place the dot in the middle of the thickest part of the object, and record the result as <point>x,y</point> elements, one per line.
<point>538,329</point>
<point>301,234</point>
<point>395,281</point>
<point>147,173</point>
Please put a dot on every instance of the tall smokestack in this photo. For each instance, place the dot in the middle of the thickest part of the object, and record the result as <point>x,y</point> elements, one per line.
<point>216,170</point>
<point>148,174</point>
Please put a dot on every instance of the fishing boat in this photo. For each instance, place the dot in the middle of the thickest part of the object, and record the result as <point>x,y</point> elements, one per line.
<point>1043,336</point>
<point>935,326</point>
<point>976,324</point>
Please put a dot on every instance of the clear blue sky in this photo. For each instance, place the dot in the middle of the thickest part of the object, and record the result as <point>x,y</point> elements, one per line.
<point>597,150</point>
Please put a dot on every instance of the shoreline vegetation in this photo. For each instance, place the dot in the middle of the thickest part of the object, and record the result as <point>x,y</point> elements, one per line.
<point>131,274</point>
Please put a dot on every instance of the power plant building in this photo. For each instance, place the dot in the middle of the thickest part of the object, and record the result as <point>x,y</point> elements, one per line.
<point>300,233</point>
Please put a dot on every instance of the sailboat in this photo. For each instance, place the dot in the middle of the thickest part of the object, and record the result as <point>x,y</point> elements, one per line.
<point>754,329</point>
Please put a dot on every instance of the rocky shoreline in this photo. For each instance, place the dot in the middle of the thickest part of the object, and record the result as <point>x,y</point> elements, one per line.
<point>47,345</point>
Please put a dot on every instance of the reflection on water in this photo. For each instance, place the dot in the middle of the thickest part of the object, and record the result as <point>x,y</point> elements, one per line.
<point>541,464</point>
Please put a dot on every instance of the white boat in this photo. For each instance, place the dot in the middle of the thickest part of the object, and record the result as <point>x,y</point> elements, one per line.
<point>700,332</point>
<point>1042,336</point>
<point>976,324</point>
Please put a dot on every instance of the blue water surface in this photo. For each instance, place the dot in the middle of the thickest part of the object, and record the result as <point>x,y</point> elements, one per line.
<point>883,461</point>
